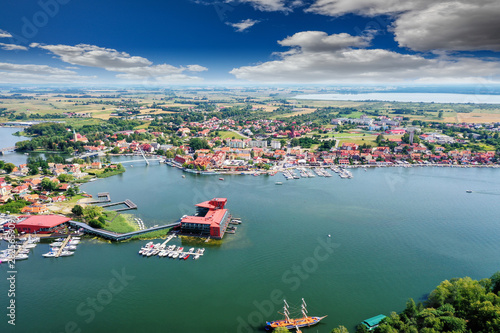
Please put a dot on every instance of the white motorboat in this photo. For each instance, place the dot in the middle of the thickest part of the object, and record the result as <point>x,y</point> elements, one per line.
<point>66,253</point>
<point>176,255</point>
<point>21,256</point>
<point>49,255</point>
<point>56,244</point>
<point>196,256</point>
<point>191,250</point>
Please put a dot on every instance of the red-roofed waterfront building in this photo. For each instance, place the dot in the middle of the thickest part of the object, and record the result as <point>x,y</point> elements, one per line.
<point>41,224</point>
<point>211,219</point>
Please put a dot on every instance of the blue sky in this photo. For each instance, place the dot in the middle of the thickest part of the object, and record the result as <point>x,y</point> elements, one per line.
<point>195,42</point>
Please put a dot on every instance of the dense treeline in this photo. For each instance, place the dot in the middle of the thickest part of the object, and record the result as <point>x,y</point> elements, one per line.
<point>460,305</point>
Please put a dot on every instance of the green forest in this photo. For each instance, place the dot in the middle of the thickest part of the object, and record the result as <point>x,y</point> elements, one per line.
<point>460,305</point>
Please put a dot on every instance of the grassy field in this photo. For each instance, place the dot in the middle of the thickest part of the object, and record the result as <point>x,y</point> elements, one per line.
<point>120,223</point>
<point>359,140</point>
<point>229,135</point>
<point>153,234</point>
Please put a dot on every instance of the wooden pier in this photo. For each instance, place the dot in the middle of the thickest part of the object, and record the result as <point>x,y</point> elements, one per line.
<point>128,203</point>
<point>61,249</point>
<point>101,197</point>
<point>169,238</point>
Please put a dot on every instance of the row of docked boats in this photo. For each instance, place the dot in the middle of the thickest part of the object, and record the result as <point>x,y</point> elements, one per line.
<point>19,251</point>
<point>67,250</point>
<point>289,174</point>
<point>322,172</point>
<point>343,173</point>
<point>306,173</point>
<point>172,251</point>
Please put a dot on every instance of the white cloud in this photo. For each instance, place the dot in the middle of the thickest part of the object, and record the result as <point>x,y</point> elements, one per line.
<point>423,25</point>
<point>366,7</point>
<point>4,34</point>
<point>319,58</point>
<point>243,25</point>
<point>130,67</point>
<point>196,68</point>
<point>13,47</point>
<point>39,69</point>
<point>166,79</point>
<point>94,56</point>
<point>272,5</point>
<point>318,41</point>
<point>28,73</point>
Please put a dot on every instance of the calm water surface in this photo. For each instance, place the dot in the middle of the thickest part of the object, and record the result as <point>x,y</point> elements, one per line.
<point>396,233</point>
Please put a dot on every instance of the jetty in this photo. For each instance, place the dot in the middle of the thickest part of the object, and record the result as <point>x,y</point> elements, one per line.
<point>101,197</point>
<point>128,203</point>
<point>169,238</point>
<point>115,236</point>
<point>61,249</point>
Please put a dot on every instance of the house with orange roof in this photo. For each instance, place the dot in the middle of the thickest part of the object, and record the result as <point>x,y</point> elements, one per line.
<point>35,209</point>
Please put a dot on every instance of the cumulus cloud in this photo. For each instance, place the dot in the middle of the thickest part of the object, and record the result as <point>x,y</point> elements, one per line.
<point>424,25</point>
<point>451,26</point>
<point>4,34</point>
<point>130,67</point>
<point>94,56</point>
<point>13,47</point>
<point>318,41</point>
<point>28,73</point>
<point>243,25</point>
<point>320,58</point>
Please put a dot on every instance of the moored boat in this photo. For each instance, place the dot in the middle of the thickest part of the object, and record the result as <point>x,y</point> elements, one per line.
<point>294,323</point>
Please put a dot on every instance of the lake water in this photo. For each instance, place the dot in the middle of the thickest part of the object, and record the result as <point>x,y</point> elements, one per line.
<point>407,97</point>
<point>396,234</point>
<point>8,140</point>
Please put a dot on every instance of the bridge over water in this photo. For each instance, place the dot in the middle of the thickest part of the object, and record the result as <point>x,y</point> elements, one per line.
<point>115,236</point>
<point>3,150</point>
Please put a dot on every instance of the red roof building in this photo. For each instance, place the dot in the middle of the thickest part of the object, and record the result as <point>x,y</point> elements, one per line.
<point>211,219</point>
<point>42,224</point>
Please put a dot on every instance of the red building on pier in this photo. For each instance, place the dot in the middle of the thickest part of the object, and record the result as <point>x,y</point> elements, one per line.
<point>42,224</point>
<point>211,219</point>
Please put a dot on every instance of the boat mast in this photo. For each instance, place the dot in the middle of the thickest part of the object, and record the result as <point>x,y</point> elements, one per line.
<point>286,312</point>
<point>304,309</point>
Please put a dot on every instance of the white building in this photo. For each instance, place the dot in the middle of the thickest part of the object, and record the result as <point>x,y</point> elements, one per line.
<point>275,144</point>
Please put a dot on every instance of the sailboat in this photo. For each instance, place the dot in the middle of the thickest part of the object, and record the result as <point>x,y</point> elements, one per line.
<point>294,323</point>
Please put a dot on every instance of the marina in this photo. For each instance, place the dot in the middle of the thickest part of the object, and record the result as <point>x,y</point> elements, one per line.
<point>175,252</point>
